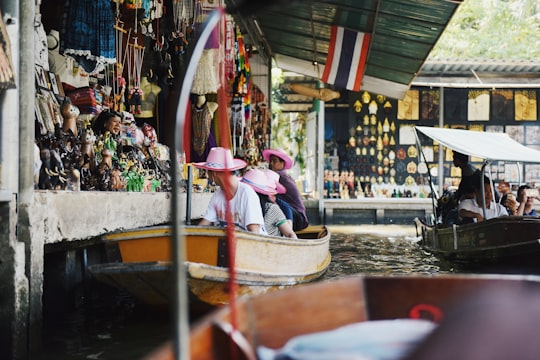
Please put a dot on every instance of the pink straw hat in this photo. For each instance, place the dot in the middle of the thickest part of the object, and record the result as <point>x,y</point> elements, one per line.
<point>220,159</point>
<point>289,162</point>
<point>258,181</point>
<point>273,181</point>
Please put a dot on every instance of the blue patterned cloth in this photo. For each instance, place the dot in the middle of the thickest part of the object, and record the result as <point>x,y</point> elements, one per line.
<point>89,35</point>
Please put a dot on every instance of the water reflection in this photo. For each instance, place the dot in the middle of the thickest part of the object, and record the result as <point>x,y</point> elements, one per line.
<point>382,250</point>
<point>119,327</point>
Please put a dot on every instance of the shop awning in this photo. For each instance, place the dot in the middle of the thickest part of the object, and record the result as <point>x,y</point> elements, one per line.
<point>403,32</point>
<point>486,145</point>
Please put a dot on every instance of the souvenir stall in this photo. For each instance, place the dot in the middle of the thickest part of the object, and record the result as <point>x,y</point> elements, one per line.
<point>374,152</point>
<point>122,60</point>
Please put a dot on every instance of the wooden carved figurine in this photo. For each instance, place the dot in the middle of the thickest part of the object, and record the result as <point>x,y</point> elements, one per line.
<point>70,113</point>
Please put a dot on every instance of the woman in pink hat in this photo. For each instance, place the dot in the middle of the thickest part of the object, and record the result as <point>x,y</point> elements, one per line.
<point>275,222</point>
<point>273,182</point>
<point>244,202</point>
<point>280,162</point>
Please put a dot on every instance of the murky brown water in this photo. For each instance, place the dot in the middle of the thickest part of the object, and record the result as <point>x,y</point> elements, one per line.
<point>116,326</point>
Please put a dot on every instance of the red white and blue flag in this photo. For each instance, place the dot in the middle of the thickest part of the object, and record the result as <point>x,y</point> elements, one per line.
<point>346,58</point>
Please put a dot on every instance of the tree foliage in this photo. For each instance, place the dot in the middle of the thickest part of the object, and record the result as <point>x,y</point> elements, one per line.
<point>500,30</point>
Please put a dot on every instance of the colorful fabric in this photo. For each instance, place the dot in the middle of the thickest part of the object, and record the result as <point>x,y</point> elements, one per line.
<point>346,60</point>
<point>88,34</point>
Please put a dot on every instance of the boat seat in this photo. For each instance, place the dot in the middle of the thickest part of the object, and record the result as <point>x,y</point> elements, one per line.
<point>230,343</point>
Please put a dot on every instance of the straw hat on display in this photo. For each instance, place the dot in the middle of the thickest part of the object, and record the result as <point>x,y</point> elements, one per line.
<point>258,181</point>
<point>221,159</point>
<point>273,181</point>
<point>289,162</point>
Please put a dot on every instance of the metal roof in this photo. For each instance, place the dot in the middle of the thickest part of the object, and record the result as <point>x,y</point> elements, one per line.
<point>403,32</point>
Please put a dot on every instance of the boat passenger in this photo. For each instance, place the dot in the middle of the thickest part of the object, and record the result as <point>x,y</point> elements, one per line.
<point>275,222</point>
<point>471,209</point>
<point>526,202</point>
<point>465,189</point>
<point>244,203</point>
<point>503,188</point>
<point>280,162</point>
<point>509,202</point>
<point>273,178</point>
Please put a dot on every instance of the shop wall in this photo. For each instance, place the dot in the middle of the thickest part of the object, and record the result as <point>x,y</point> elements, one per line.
<point>374,138</point>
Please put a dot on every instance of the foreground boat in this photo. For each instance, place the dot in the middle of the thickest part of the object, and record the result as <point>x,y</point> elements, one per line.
<point>271,320</point>
<point>505,240</point>
<point>263,263</point>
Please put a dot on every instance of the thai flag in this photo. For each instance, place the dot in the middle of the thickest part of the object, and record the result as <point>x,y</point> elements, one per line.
<point>346,58</point>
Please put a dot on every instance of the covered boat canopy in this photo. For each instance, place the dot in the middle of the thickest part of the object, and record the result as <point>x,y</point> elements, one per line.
<point>486,145</point>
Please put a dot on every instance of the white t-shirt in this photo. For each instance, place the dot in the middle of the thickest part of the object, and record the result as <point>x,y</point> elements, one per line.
<point>495,210</point>
<point>245,208</point>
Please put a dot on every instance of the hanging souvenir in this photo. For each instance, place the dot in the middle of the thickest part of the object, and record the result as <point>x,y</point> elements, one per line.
<point>366,120</point>
<point>373,107</point>
<point>379,143</point>
<point>357,106</point>
<point>135,61</point>
<point>411,167</point>
<point>385,139</point>
<point>393,127</point>
<point>387,107</point>
<point>409,180</point>
<point>386,125</point>
<point>379,156</point>
<point>401,154</point>
<point>366,97</point>
<point>422,168</point>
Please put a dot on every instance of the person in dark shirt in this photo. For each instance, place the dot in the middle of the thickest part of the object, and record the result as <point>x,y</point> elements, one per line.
<point>280,162</point>
<point>466,187</point>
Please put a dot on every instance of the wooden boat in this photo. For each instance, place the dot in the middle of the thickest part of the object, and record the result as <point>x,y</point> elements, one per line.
<point>263,263</point>
<point>271,320</point>
<point>504,240</point>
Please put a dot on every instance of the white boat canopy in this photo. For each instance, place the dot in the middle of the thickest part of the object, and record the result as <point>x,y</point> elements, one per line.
<point>486,145</point>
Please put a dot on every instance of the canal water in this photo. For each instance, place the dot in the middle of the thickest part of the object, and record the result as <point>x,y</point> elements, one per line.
<point>104,323</point>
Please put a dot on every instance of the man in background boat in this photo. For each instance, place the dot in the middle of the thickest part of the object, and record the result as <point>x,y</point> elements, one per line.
<point>244,202</point>
<point>471,209</point>
<point>466,187</point>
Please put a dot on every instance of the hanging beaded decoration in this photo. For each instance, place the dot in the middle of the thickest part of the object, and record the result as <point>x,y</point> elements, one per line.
<point>135,61</point>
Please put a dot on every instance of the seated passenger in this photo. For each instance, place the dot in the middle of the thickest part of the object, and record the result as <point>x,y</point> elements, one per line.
<point>244,204</point>
<point>504,188</point>
<point>526,202</point>
<point>472,208</point>
<point>280,162</point>
<point>274,183</point>
<point>465,189</point>
<point>509,202</point>
<point>275,222</point>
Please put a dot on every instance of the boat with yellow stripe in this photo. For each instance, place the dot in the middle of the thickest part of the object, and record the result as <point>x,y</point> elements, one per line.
<point>143,265</point>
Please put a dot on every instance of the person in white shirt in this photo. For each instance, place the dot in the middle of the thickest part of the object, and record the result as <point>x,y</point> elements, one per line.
<point>472,208</point>
<point>244,201</point>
